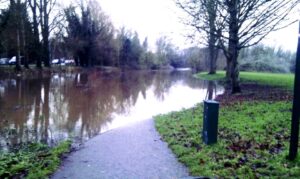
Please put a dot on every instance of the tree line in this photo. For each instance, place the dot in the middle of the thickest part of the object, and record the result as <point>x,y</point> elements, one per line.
<point>41,30</point>
<point>25,28</point>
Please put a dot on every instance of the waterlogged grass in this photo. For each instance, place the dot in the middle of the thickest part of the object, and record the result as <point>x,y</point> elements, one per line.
<point>272,79</point>
<point>32,161</point>
<point>253,141</point>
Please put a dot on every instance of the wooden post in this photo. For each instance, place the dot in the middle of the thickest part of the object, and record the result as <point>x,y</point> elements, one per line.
<point>296,107</point>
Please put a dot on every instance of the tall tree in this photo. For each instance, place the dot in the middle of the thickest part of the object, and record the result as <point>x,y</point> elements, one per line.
<point>36,55</point>
<point>126,52</point>
<point>90,34</point>
<point>49,20</point>
<point>16,33</point>
<point>162,47</point>
<point>45,8</point>
<point>243,23</point>
<point>202,17</point>
<point>15,6</point>
<point>137,50</point>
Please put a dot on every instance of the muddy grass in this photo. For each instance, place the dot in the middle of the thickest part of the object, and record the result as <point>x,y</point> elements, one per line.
<point>255,92</point>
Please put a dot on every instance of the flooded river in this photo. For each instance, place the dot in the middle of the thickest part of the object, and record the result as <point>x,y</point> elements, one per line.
<point>50,108</point>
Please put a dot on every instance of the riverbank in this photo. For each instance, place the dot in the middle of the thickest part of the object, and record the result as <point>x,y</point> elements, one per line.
<point>33,160</point>
<point>254,130</point>
<point>10,70</point>
<point>271,79</point>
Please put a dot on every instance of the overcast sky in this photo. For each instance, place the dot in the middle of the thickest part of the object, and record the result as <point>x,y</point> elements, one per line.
<point>154,18</point>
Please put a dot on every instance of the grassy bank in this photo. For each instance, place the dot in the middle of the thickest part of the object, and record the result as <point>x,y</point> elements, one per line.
<point>253,141</point>
<point>273,79</point>
<point>253,136</point>
<point>32,161</point>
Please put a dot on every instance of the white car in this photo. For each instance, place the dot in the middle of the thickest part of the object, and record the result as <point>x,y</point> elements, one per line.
<point>70,62</point>
<point>13,60</point>
<point>4,61</point>
<point>55,61</point>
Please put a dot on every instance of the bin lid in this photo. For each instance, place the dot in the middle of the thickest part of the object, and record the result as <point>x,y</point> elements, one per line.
<point>211,101</point>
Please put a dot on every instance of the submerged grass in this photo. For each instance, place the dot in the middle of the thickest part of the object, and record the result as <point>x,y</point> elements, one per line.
<point>253,141</point>
<point>272,79</point>
<point>32,161</point>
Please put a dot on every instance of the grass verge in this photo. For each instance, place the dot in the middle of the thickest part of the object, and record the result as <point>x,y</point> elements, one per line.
<point>254,130</point>
<point>32,161</point>
<point>272,79</point>
<point>253,141</point>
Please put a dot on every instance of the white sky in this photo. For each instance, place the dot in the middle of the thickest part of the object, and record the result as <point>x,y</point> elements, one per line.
<point>155,18</point>
<point>151,18</point>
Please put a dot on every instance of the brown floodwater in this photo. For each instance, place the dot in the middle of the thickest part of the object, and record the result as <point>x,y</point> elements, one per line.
<point>51,108</point>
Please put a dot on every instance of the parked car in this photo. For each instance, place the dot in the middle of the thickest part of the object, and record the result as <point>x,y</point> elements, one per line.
<point>55,61</point>
<point>4,61</point>
<point>69,62</point>
<point>13,60</point>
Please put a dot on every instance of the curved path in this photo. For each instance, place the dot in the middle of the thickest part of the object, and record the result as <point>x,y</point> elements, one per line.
<point>134,151</point>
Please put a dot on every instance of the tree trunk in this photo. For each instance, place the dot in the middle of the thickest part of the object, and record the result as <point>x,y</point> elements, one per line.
<point>76,59</point>
<point>24,45</point>
<point>233,46</point>
<point>16,20</point>
<point>36,37</point>
<point>228,70</point>
<point>213,51</point>
<point>45,32</point>
<point>18,66</point>
<point>46,50</point>
<point>210,90</point>
<point>235,74</point>
<point>213,55</point>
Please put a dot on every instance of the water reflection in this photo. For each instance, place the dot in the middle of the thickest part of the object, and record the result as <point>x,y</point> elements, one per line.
<point>60,106</point>
<point>211,90</point>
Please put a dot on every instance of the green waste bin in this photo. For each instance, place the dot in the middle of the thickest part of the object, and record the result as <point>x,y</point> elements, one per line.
<point>210,122</point>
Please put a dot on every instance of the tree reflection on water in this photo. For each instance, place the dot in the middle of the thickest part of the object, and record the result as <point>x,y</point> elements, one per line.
<point>52,108</point>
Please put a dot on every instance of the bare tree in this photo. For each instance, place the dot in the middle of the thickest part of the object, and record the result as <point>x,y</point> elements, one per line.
<point>33,4</point>
<point>243,23</point>
<point>46,7</point>
<point>202,16</point>
<point>44,19</point>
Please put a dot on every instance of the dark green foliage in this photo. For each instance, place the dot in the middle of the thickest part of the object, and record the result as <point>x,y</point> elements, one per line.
<point>135,55</point>
<point>176,60</point>
<point>32,161</point>
<point>90,36</point>
<point>8,46</point>
<point>126,57</point>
